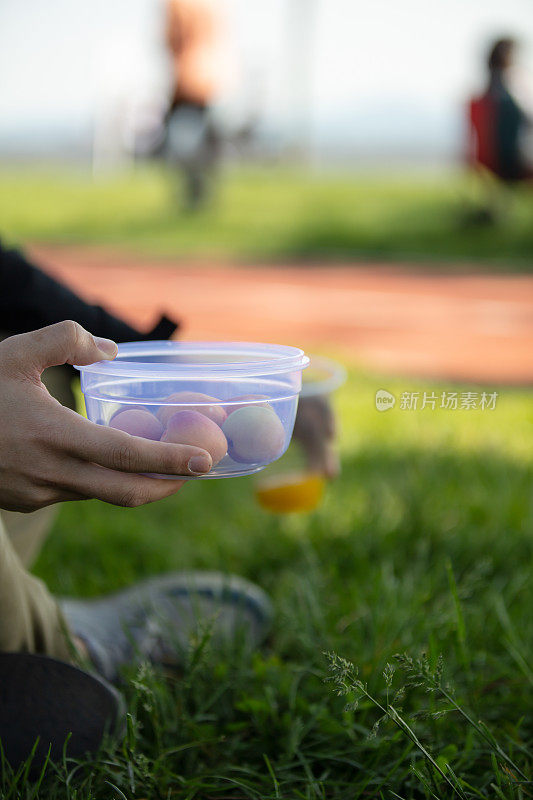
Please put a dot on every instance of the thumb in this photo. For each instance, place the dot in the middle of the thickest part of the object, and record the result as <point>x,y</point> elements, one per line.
<point>63,343</point>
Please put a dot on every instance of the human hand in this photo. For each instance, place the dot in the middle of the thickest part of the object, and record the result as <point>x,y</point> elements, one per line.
<point>48,453</point>
<point>315,430</point>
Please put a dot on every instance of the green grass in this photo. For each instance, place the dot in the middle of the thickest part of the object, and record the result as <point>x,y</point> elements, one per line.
<point>267,213</point>
<point>423,545</point>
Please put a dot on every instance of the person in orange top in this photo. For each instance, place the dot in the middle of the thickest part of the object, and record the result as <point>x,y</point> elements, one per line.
<point>193,39</point>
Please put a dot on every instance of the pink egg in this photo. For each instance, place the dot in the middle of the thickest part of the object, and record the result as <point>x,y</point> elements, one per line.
<point>192,427</point>
<point>192,401</point>
<point>255,435</point>
<point>137,422</point>
<point>244,400</point>
<point>129,407</point>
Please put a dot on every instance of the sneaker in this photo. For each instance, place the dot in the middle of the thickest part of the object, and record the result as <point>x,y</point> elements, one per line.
<point>156,620</point>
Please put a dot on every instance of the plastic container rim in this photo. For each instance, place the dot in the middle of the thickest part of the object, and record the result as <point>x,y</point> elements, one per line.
<point>263,359</point>
<point>336,377</point>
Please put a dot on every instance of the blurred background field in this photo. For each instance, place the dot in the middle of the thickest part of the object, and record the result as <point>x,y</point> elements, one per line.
<point>297,129</point>
<point>270,212</point>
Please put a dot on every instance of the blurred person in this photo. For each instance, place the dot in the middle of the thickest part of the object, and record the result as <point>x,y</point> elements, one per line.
<point>49,454</point>
<point>497,127</point>
<point>193,38</point>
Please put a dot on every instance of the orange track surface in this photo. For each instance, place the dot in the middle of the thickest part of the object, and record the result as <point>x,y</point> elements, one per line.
<point>390,318</point>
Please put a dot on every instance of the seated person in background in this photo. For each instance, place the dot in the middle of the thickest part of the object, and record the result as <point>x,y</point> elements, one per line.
<point>498,124</point>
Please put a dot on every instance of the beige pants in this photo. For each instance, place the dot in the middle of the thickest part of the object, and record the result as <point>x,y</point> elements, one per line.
<point>30,619</point>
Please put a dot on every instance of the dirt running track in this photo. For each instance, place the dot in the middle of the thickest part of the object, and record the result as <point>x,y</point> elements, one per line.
<point>460,326</point>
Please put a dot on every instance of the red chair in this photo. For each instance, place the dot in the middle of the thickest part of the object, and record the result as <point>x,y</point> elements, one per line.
<point>490,146</point>
<point>482,118</point>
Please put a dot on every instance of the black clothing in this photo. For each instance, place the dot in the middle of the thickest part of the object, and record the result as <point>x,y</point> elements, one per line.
<point>510,122</point>
<point>30,299</point>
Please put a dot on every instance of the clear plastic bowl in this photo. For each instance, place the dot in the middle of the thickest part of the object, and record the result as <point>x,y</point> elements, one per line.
<point>240,399</point>
<point>323,377</point>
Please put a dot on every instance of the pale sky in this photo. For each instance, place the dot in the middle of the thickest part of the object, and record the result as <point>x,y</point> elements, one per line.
<point>380,70</point>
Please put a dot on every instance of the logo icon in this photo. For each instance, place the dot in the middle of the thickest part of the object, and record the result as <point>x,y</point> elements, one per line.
<point>384,400</point>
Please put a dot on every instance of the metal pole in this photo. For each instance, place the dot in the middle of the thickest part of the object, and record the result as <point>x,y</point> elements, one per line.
<point>301,51</point>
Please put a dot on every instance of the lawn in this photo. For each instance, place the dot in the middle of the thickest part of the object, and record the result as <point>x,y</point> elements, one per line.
<point>268,213</point>
<point>424,545</point>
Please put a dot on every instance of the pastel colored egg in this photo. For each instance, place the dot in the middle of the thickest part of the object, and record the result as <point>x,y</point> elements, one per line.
<point>186,401</point>
<point>192,427</point>
<point>129,407</point>
<point>137,422</point>
<point>255,435</point>
<point>245,400</point>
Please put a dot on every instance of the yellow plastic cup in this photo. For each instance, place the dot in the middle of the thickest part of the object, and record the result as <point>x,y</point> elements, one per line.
<point>283,494</point>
